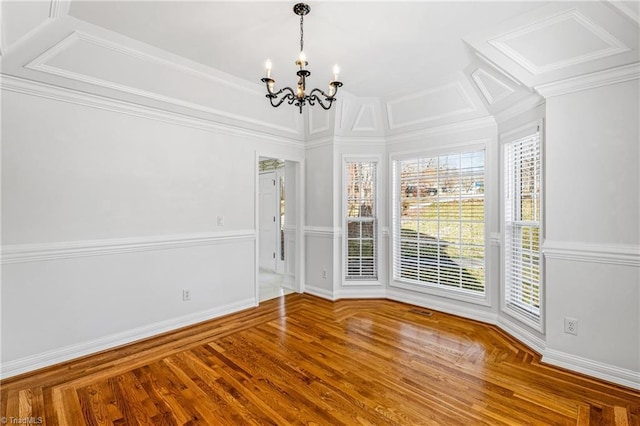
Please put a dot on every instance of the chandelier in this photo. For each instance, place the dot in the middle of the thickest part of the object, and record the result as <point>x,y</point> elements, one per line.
<point>300,96</point>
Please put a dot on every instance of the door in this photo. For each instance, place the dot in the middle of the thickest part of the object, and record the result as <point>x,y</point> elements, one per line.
<point>268,221</point>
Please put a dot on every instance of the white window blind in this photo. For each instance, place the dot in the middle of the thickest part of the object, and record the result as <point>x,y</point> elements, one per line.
<point>361,221</point>
<point>439,221</point>
<point>522,185</point>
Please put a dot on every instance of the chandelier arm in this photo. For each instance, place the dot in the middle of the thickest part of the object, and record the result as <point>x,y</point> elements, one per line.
<point>314,98</point>
<point>321,92</point>
<point>290,97</point>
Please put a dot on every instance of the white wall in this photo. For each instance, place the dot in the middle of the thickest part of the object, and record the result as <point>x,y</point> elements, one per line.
<point>592,229</point>
<point>291,216</point>
<point>319,227</point>
<point>75,173</point>
<point>107,216</point>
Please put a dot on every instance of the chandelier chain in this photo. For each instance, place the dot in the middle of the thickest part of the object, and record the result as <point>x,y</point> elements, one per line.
<point>301,33</point>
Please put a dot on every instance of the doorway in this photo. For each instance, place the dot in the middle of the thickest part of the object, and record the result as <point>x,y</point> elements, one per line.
<point>276,228</point>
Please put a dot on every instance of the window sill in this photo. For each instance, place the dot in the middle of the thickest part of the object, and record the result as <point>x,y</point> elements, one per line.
<point>361,283</point>
<point>459,295</point>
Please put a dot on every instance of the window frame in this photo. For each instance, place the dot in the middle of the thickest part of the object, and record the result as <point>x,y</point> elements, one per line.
<point>376,160</point>
<point>480,298</point>
<point>506,138</point>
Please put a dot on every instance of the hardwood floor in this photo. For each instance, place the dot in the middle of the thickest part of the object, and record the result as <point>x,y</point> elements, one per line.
<point>304,360</point>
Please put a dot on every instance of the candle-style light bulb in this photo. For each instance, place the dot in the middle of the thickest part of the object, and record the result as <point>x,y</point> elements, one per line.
<point>336,71</point>
<point>268,65</point>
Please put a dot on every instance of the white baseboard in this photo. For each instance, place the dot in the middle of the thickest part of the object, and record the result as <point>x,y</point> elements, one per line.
<point>320,292</point>
<point>56,356</point>
<point>592,368</point>
<point>522,334</point>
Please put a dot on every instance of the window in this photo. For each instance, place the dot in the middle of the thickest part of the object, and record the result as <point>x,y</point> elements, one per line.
<point>439,221</point>
<point>522,184</point>
<point>361,221</point>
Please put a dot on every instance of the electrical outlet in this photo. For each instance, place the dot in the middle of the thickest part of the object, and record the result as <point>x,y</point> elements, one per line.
<point>186,295</point>
<point>220,220</point>
<point>324,274</point>
<point>571,326</point>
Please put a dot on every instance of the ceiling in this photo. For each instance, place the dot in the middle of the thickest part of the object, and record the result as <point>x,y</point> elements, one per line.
<point>405,66</point>
<point>383,48</point>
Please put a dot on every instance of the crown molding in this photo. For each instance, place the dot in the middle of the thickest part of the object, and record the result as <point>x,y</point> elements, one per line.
<point>370,141</point>
<point>625,10</point>
<point>320,142</point>
<point>590,81</point>
<point>457,127</point>
<point>49,91</point>
<point>527,104</point>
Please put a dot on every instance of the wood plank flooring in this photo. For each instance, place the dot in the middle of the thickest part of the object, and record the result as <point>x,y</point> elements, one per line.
<point>304,360</point>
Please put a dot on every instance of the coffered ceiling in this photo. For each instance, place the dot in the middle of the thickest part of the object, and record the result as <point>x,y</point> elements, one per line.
<point>416,63</point>
<point>383,48</point>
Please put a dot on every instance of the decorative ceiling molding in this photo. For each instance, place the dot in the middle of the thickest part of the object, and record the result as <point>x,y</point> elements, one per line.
<point>590,81</point>
<point>43,64</point>
<point>613,45</point>
<point>491,88</point>
<point>444,101</point>
<point>40,63</point>
<point>365,120</point>
<point>495,67</point>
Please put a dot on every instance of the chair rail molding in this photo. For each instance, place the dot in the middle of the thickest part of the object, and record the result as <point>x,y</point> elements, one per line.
<point>613,254</point>
<point>21,253</point>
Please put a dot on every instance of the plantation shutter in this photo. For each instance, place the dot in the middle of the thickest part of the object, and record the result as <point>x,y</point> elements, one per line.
<point>439,221</point>
<point>522,215</point>
<point>361,252</point>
